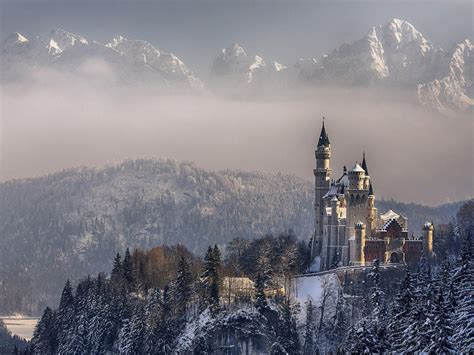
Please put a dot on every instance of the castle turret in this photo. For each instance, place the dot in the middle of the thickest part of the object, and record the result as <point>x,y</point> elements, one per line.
<point>356,177</point>
<point>371,211</point>
<point>359,243</point>
<point>366,171</point>
<point>322,177</point>
<point>428,238</point>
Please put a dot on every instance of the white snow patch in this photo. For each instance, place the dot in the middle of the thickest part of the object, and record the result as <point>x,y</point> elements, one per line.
<point>20,325</point>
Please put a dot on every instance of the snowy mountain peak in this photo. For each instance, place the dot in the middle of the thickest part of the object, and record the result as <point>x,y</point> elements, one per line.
<point>57,41</point>
<point>398,33</point>
<point>116,41</point>
<point>234,68</point>
<point>232,60</point>
<point>394,52</point>
<point>234,50</point>
<point>167,63</point>
<point>15,38</point>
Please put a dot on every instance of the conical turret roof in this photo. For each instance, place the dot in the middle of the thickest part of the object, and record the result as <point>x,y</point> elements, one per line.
<point>364,165</point>
<point>323,137</point>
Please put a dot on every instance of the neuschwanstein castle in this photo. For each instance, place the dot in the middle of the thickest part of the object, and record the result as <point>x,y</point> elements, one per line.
<point>348,227</point>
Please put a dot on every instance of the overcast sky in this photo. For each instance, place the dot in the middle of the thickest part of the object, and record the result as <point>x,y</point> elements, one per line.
<point>277,30</point>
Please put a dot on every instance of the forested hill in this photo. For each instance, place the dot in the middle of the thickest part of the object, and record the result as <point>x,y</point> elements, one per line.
<point>73,222</point>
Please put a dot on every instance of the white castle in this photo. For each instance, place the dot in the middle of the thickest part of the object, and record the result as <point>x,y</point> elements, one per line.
<point>348,228</point>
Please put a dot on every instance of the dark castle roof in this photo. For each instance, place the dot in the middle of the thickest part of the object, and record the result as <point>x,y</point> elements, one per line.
<point>364,165</point>
<point>323,138</point>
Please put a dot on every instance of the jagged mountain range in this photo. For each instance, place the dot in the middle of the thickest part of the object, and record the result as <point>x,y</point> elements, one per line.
<point>393,55</point>
<point>121,61</point>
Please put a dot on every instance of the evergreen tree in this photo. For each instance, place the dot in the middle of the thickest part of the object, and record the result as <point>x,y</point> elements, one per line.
<point>440,330</point>
<point>379,311</point>
<point>210,280</point>
<point>65,316</point>
<point>119,312</point>
<point>99,327</point>
<point>216,281</point>
<point>153,320</point>
<point>205,280</point>
<point>116,277</point>
<point>287,334</point>
<point>132,338</point>
<point>464,282</point>
<point>360,339</point>
<point>127,271</point>
<point>341,323</point>
<point>77,341</point>
<point>183,290</point>
<point>44,339</point>
<point>167,331</point>
<point>309,345</point>
<point>401,314</point>
<point>417,333</point>
<point>260,297</point>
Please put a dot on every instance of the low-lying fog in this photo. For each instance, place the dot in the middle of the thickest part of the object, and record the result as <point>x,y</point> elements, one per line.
<point>413,155</point>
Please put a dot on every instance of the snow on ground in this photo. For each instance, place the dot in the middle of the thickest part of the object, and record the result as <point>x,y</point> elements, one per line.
<point>317,287</point>
<point>20,325</point>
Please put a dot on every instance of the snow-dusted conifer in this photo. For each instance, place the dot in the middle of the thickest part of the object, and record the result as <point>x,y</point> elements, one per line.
<point>464,284</point>
<point>183,290</point>
<point>309,345</point>
<point>65,315</point>
<point>400,314</point>
<point>44,341</point>
<point>440,330</point>
<point>127,271</point>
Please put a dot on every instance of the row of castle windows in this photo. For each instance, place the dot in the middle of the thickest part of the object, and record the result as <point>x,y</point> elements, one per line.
<point>357,198</point>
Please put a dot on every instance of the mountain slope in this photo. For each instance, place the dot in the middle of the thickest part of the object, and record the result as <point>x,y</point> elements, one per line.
<point>455,91</point>
<point>170,65</point>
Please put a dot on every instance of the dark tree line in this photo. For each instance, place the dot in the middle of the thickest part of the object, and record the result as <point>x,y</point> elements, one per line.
<point>129,314</point>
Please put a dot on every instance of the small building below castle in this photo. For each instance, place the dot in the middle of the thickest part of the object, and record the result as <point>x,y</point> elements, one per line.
<point>348,227</point>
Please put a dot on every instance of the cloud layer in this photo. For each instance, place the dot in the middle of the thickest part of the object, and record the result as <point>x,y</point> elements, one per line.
<point>412,155</point>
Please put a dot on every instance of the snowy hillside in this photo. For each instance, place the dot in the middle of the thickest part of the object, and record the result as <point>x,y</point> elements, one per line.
<point>119,62</point>
<point>73,222</point>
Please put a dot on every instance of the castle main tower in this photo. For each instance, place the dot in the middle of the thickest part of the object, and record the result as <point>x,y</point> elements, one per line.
<point>322,176</point>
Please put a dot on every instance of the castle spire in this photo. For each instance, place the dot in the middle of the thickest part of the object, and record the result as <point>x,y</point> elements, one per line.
<point>364,165</point>
<point>323,137</point>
